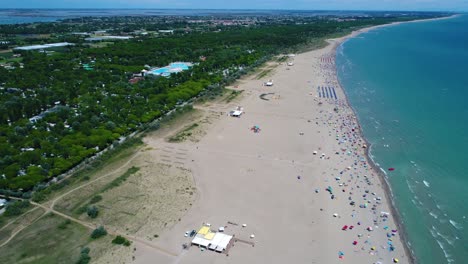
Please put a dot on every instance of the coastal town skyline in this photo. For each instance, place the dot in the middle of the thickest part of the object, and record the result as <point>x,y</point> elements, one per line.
<point>392,5</point>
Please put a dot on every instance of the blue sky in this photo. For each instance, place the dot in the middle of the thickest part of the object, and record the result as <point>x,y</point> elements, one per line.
<point>451,5</point>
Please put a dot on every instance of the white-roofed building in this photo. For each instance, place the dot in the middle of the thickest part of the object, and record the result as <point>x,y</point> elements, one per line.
<point>214,241</point>
<point>45,46</point>
<point>201,241</point>
<point>236,113</point>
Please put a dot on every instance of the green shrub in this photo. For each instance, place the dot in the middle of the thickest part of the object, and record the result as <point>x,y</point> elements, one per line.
<point>84,256</point>
<point>92,211</point>
<point>98,232</point>
<point>16,208</point>
<point>120,240</point>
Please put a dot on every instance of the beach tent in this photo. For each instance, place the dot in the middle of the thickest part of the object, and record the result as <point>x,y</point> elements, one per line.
<point>236,113</point>
<point>200,241</point>
<point>209,236</point>
<point>204,230</point>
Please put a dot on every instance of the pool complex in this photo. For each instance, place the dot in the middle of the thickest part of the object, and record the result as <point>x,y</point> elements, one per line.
<point>171,68</point>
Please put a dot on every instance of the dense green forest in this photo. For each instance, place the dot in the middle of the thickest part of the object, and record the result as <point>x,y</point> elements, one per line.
<point>79,112</point>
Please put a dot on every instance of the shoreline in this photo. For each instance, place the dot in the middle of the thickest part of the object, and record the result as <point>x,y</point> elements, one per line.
<point>378,170</point>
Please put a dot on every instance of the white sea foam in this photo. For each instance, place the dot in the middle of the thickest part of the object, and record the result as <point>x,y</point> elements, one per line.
<point>451,242</point>
<point>426,183</point>
<point>418,200</point>
<point>409,186</point>
<point>455,224</point>
<point>434,215</point>
<point>384,172</point>
<point>448,257</point>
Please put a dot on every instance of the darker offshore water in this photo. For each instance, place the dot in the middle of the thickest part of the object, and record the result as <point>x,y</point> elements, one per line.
<point>409,86</point>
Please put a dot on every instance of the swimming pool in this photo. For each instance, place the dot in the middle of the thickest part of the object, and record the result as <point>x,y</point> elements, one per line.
<point>182,65</point>
<point>171,68</point>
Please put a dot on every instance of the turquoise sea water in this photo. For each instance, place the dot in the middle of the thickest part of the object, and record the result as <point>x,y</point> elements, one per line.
<point>409,86</point>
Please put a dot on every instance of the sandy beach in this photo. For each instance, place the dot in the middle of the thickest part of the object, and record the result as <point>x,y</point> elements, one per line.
<point>302,183</point>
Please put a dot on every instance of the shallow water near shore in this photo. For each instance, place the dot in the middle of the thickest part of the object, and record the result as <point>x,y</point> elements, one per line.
<point>408,84</point>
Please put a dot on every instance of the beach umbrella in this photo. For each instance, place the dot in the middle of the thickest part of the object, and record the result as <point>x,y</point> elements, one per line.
<point>354,242</point>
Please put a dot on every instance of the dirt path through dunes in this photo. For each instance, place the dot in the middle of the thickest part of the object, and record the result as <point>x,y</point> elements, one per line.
<point>50,209</point>
<point>95,180</point>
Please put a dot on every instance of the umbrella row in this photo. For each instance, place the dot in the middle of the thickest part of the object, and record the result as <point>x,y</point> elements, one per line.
<point>327,92</point>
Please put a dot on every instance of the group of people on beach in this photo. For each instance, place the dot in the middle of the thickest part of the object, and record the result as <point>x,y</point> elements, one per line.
<point>356,180</point>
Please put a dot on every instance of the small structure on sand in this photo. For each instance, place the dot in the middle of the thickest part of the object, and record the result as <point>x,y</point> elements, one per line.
<point>216,241</point>
<point>237,112</point>
<point>290,63</point>
<point>269,83</point>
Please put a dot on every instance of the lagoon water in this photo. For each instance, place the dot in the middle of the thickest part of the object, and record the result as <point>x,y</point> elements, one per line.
<point>20,16</point>
<point>408,84</point>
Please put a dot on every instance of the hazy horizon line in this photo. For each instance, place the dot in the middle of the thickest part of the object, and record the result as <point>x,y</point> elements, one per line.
<point>234,9</point>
